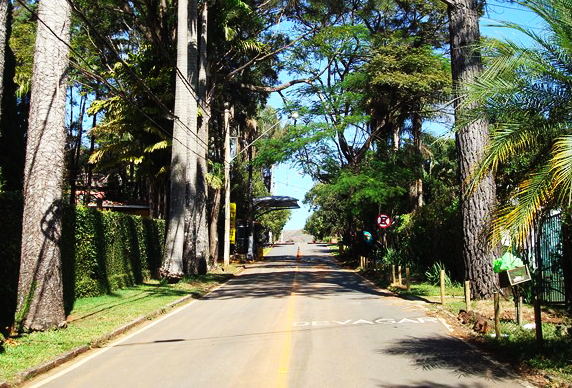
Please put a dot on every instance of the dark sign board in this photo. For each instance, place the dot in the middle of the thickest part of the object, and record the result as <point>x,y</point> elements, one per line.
<point>514,276</point>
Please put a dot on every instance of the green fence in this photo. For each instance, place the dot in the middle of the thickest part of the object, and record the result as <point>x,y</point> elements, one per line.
<point>544,254</point>
<point>549,257</point>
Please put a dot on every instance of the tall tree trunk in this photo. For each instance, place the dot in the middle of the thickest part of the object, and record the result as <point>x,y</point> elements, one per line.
<point>40,291</point>
<point>87,196</point>
<point>215,212</point>
<point>396,137</point>
<point>201,216</point>
<point>3,43</point>
<point>172,267</point>
<point>417,189</point>
<point>204,132</point>
<point>76,150</point>
<point>196,241</point>
<point>476,207</point>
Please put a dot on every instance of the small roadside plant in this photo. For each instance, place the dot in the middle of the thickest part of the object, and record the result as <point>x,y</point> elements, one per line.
<point>433,274</point>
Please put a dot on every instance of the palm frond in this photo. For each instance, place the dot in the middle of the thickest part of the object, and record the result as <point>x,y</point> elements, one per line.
<point>562,169</point>
<point>517,219</point>
<point>157,146</point>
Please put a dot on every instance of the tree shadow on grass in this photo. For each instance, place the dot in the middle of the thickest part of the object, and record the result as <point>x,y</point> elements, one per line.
<point>147,293</point>
<point>450,354</point>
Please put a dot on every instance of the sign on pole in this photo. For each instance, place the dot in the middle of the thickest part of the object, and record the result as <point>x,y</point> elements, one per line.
<point>232,235</point>
<point>383,221</point>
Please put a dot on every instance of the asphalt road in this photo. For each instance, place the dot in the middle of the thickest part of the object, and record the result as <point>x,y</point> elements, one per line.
<point>289,323</point>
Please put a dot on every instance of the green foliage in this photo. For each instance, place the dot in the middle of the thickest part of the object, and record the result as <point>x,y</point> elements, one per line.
<point>317,225</point>
<point>22,43</point>
<point>101,252</point>
<point>275,221</point>
<point>433,274</point>
<point>526,94</point>
<point>392,256</point>
<point>358,195</point>
<point>111,250</point>
<point>521,344</point>
<point>431,235</point>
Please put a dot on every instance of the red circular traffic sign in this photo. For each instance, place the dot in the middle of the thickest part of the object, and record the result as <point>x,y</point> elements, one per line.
<point>383,221</point>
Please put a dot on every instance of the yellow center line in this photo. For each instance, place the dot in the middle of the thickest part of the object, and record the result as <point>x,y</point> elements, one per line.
<point>282,374</point>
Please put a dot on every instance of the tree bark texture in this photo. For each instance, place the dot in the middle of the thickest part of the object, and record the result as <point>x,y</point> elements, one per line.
<point>196,222</point>
<point>172,267</point>
<point>40,290</point>
<point>203,242</point>
<point>417,189</point>
<point>213,238</point>
<point>3,43</point>
<point>476,207</point>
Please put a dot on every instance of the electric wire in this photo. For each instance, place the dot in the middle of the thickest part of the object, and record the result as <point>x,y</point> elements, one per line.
<point>118,92</point>
<point>153,96</point>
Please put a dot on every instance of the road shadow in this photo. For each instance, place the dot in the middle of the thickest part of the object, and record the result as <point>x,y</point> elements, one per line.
<point>316,277</point>
<point>433,384</point>
<point>450,354</point>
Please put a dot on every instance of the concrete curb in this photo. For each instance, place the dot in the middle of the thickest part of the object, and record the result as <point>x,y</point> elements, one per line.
<point>96,343</point>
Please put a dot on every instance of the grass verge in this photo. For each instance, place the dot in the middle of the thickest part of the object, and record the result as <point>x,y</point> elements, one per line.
<point>92,319</point>
<point>550,366</point>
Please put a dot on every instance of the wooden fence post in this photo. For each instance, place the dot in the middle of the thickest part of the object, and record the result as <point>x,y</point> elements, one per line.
<point>468,295</point>
<point>442,273</point>
<point>497,315</point>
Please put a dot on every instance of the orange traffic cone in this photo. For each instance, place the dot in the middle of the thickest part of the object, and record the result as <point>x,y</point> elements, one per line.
<point>299,254</point>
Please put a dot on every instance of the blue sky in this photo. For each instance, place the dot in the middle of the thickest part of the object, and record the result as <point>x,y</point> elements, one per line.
<point>290,182</point>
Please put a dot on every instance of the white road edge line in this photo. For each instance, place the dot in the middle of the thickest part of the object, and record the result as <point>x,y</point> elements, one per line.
<point>119,341</point>
<point>445,324</point>
<point>375,287</point>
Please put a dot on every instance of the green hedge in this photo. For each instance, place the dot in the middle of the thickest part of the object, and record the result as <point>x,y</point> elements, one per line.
<point>111,250</point>
<point>101,252</point>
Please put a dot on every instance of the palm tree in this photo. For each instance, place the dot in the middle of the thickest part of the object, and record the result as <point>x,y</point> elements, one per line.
<point>173,267</point>
<point>527,97</point>
<point>196,250</point>
<point>40,290</point>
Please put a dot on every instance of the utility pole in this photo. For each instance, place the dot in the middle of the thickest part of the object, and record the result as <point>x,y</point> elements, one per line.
<point>226,185</point>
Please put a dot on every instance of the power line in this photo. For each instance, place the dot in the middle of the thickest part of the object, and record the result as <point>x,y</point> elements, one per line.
<point>290,185</point>
<point>511,8</point>
<point>154,97</point>
<point>119,93</point>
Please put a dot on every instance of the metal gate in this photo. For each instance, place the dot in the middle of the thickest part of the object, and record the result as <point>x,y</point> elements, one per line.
<point>543,253</point>
<point>549,258</point>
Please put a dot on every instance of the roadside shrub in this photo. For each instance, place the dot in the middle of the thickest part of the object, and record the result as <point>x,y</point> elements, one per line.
<point>101,252</point>
<point>432,234</point>
<point>433,275</point>
<point>112,250</point>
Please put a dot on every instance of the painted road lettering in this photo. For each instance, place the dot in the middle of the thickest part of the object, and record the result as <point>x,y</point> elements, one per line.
<point>382,321</point>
